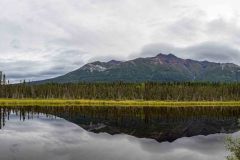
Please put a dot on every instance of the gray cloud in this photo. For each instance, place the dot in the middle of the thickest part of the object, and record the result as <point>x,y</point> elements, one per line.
<point>211,51</point>
<point>43,39</point>
<point>155,48</point>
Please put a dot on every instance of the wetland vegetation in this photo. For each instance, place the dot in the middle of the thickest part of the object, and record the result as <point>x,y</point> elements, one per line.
<point>119,103</point>
<point>233,146</point>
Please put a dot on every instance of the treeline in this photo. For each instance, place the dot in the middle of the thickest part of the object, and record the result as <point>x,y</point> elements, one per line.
<point>125,91</point>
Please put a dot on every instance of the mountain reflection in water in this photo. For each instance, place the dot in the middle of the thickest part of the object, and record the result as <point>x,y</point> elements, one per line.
<point>161,124</point>
<point>54,133</point>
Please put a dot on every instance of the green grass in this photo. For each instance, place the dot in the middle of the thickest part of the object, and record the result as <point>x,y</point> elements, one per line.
<point>120,103</point>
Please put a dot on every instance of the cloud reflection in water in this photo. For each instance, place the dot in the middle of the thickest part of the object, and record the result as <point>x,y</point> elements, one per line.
<point>57,139</point>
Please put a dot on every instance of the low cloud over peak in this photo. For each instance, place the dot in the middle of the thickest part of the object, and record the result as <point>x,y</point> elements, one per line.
<point>211,51</point>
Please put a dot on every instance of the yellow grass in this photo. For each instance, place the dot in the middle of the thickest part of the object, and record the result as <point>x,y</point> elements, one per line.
<point>120,103</point>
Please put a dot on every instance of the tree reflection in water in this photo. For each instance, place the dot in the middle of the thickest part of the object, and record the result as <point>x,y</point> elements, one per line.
<point>161,124</point>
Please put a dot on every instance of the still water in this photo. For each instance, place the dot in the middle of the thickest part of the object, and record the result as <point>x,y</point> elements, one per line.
<point>103,133</point>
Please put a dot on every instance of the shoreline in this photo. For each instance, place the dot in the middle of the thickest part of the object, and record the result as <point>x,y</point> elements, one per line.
<point>113,103</point>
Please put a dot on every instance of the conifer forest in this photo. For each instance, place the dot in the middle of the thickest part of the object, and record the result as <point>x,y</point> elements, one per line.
<point>187,91</point>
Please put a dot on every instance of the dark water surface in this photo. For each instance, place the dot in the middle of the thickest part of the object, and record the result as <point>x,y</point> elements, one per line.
<point>111,133</point>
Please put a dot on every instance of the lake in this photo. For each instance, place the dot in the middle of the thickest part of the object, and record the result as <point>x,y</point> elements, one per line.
<point>116,133</point>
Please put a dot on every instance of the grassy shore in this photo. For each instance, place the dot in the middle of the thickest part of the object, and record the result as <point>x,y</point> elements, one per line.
<point>120,103</point>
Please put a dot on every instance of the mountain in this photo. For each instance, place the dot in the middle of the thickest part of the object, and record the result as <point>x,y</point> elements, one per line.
<point>161,68</point>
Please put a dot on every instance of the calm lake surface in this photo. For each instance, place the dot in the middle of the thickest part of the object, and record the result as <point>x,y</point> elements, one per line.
<point>111,133</point>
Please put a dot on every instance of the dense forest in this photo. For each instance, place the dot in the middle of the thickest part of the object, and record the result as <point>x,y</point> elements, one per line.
<point>187,91</point>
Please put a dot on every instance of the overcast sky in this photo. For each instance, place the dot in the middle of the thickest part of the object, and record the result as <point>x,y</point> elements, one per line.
<point>45,38</point>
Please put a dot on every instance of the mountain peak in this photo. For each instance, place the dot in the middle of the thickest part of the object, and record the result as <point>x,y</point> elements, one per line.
<point>161,68</point>
<point>170,55</point>
<point>160,55</point>
<point>113,62</point>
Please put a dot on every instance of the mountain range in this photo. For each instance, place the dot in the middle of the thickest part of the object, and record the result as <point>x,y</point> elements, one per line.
<point>161,68</point>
